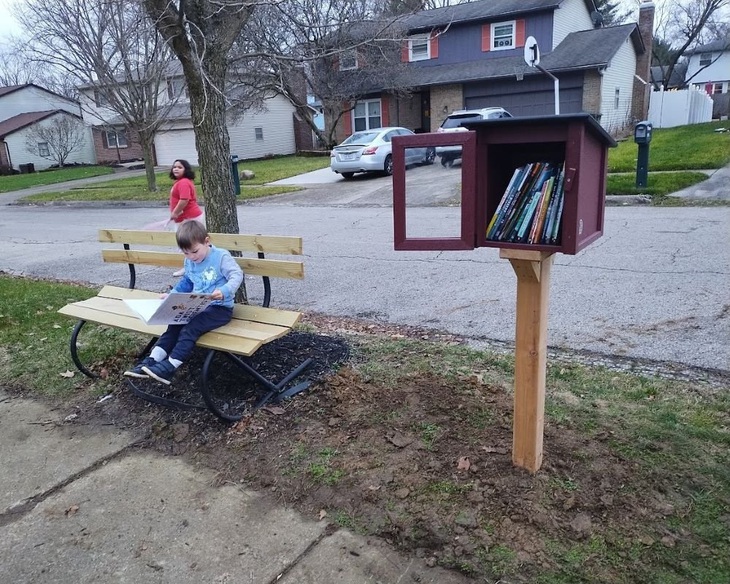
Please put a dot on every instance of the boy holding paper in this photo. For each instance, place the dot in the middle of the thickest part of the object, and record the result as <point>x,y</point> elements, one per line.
<point>208,270</point>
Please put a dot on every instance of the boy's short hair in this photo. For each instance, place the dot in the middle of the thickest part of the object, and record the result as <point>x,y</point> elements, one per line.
<point>190,233</point>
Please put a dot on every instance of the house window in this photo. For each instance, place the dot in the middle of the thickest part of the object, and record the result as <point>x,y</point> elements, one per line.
<point>43,149</point>
<point>348,60</point>
<point>115,139</point>
<point>717,88</point>
<point>419,48</point>
<point>705,59</point>
<point>503,35</point>
<point>616,98</point>
<point>101,98</point>
<point>176,88</point>
<point>258,133</point>
<point>366,115</point>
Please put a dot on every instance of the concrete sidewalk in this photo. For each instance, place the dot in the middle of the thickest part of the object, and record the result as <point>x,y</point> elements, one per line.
<point>81,504</point>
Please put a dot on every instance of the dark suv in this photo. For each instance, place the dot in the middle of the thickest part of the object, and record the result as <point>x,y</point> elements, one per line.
<point>454,123</point>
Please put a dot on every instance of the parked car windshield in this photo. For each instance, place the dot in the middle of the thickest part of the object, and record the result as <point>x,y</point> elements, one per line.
<point>458,120</point>
<point>360,138</point>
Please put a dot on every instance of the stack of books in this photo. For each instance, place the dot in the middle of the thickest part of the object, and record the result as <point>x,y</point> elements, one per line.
<point>531,207</point>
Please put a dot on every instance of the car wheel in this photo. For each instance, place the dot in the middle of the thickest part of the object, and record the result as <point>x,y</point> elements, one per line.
<point>348,175</point>
<point>388,166</point>
<point>430,156</point>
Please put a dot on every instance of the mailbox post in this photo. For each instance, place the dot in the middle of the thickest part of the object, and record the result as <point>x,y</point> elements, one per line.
<point>234,174</point>
<point>642,136</point>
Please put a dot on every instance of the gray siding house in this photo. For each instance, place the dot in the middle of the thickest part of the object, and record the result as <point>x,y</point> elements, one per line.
<point>471,56</point>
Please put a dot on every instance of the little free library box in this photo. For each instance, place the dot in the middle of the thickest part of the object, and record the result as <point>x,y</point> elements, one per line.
<point>533,187</point>
<point>530,162</point>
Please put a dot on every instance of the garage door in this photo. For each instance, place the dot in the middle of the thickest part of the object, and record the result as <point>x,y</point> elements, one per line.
<point>533,96</point>
<point>175,144</point>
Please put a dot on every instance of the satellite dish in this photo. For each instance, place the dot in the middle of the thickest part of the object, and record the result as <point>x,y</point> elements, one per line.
<point>532,52</point>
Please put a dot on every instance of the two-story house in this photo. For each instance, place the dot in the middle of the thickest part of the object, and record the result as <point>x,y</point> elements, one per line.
<point>472,56</point>
<point>25,107</point>
<point>708,68</point>
<point>268,130</point>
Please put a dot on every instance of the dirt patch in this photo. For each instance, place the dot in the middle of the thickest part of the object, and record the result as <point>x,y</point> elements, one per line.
<point>425,465</point>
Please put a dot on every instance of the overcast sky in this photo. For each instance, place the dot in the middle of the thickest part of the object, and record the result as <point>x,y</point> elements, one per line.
<point>8,24</point>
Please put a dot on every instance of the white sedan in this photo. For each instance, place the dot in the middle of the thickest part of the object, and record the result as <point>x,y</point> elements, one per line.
<point>371,151</point>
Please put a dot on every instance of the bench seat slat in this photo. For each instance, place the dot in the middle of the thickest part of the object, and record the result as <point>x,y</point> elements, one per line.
<point>217,339</point>
<point>277,244</point>
<point>250,266</point>
<point>286,318</point>
<point>241,327</point>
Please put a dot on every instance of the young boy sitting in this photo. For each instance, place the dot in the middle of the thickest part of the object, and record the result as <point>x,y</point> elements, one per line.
<point>208,270</point>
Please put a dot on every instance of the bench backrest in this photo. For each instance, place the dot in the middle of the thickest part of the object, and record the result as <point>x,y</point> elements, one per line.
<point>172,258</point>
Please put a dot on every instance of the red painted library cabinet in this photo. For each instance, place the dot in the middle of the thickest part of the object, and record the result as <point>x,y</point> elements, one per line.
<point>532,187</point>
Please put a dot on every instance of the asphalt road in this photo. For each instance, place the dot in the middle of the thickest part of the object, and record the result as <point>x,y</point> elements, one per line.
<point>654,287</point>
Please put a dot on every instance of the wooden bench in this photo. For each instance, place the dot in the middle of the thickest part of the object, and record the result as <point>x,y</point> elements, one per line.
<point>251,326</point>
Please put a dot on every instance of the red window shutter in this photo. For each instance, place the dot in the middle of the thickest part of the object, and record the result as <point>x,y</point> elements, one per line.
<point>486,37</point>
<point>520,33</point>
<point>347,119</point>
<point>404,52</point>
<point>384,110</point>
<point>434,42</point>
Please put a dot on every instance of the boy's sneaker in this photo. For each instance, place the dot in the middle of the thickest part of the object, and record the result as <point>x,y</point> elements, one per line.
<point>162,371</point>
<point>137,372</point>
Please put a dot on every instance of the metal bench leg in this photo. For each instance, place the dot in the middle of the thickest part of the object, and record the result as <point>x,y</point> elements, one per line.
<point>274,391</point>
<point>74,351</point>
<point>159,400</point>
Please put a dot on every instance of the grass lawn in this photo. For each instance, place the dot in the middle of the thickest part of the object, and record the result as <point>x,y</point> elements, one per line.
<point>658,183</point>
<point>47,177</point>
<point>135,188</point>
<point>692,147</point>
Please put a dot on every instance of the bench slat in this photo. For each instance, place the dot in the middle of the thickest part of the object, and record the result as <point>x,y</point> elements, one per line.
<point>281,244</point>
<point>250,266</point>
<point>244,328</point>
<point>216,339</point>
<point>287,318</point>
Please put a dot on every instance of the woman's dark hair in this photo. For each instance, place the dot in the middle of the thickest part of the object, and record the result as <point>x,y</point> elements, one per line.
<point>189,172</point>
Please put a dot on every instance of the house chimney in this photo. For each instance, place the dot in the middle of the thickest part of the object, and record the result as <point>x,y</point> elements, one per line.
<point>642,88</point>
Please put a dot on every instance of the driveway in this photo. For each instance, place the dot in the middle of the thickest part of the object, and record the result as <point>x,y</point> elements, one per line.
<point>426,186</point>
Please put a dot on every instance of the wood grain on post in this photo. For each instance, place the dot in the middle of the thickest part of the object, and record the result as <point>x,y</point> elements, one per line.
<point>533,290</point>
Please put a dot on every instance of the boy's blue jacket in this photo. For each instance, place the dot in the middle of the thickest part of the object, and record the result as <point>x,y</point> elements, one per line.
<point>217,271</point>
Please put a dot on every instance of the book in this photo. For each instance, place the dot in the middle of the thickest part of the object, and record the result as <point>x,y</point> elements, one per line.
<point>542,206</point>
<point>518,209</point>
<point>511,199</point>
<point>504,201</point>
<point>177,308</point>
<point>552,209</point>
<point>532,198</point>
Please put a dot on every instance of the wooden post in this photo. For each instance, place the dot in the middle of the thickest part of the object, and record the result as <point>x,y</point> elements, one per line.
<point>533,290</point>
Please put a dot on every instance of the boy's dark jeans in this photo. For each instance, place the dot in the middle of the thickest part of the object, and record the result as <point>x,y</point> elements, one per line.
<point>178,341</point>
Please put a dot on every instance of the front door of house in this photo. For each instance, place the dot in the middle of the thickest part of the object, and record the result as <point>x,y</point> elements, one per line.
<point>426,111</point>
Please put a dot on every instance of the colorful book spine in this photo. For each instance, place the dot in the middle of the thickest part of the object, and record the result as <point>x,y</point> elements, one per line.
<point>542,206</point>
<point>520,207</point>
<point>550,221</point>
<point>530,210</point>
<point>512,202</point>
<point>505,199</point>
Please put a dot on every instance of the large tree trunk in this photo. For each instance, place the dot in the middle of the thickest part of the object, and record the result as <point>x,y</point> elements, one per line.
<point>147,142</point>
<point>213,145</point>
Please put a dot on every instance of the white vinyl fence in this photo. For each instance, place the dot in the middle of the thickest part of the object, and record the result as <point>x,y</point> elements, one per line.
<point>679,107</point>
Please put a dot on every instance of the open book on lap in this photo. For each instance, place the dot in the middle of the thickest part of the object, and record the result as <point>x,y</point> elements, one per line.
<point>177,308</point>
